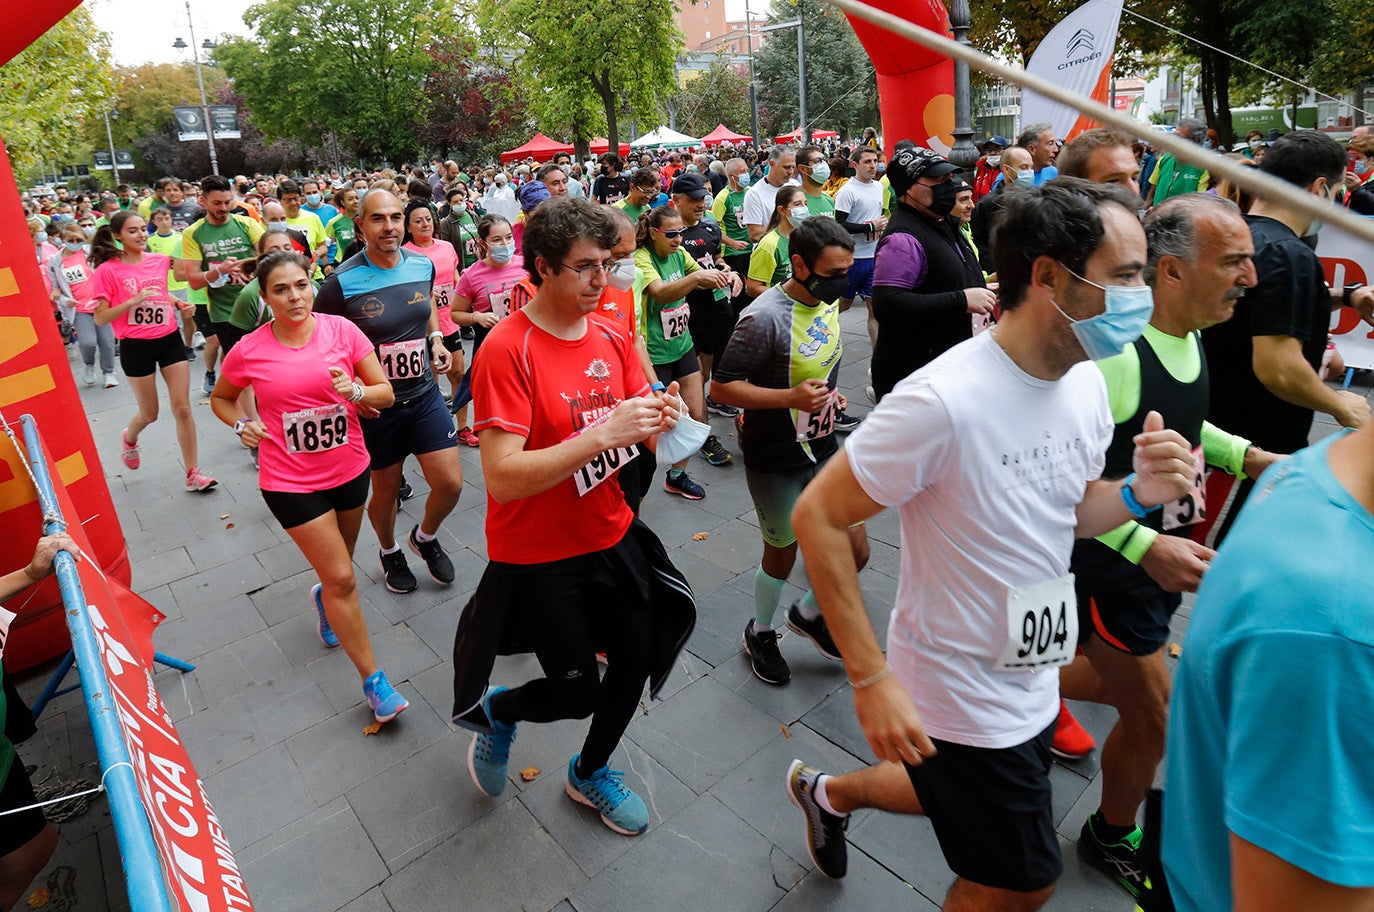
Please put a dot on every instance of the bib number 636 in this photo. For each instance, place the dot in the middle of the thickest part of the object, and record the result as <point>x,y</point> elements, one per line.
<point>1041,626</point>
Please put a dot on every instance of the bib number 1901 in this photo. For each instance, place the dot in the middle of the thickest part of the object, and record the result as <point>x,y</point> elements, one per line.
<point>1042,626</point>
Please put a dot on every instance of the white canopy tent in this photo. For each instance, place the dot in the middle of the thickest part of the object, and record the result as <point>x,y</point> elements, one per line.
<point>662,136</point>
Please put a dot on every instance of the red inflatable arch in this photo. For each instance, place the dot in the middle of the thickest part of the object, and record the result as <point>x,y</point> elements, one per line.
<point>915,85</point>
<point>35,378</point>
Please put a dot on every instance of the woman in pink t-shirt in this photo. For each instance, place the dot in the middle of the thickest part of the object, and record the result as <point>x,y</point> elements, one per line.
<point>482,298</point>
<point>419,238</point>
<point>73,278</point>
<point>312,372</point>
<point>130,291</point>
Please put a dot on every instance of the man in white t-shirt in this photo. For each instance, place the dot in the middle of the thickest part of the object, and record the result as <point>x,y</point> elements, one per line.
<point>992,455</point>
<point>758,200</point>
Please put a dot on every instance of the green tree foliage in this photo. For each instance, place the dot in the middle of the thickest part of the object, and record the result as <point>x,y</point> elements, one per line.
<point>50,89</point>
<point>471,109</point>
<point>584,63</point>
<point>841,88</point>
<point>1013,29</point>
<point>720,95</point>
<point>357,67</point>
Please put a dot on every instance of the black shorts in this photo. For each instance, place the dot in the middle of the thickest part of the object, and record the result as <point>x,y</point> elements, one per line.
<point>229,336</point>
<point>676,370</point>
<point>1133,621</point>
<point>739,262</point>
<point>410,427</point>
<point>17,792</point>
<point>204,325</point>
<point>296,509</point>
<point>454,343</point>
<point>143,357</point>
<point>991,812</point>
<point>711,324</point>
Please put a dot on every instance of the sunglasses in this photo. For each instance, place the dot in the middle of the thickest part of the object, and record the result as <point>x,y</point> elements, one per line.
<point>671,233</point>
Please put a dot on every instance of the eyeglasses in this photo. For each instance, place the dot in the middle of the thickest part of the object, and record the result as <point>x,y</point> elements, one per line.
<point>591,271</point>
<point>671,232</point>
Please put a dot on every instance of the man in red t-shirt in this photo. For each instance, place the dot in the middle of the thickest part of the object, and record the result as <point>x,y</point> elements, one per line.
<point>562,402</point>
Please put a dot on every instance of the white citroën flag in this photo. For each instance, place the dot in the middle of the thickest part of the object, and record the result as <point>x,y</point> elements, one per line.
<point>1077,54</point>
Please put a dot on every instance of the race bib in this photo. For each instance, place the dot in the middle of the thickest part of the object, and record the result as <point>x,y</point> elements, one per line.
<point>500,303</point>
<point>6,617</point>
<point>814,425</point>
<point>1191,508</point>
<point>675,321</point>
<point>403,360</point>
<point>602,466</point>
<point>150,315</point>
<point>315,430</point>
<point>443,296</point>
<point>981,323</point>
<point>75,274</point>
<point>1042,626</point>
<point>470,249</point>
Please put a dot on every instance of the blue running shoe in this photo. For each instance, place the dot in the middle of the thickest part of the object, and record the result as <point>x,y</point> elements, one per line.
<point>604,790</point>
<point>326,632</point>
<point>489,755</point>
<point>386,703</point>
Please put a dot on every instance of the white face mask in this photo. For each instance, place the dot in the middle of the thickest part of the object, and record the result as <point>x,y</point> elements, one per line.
<point>276,226</point>
<point>994,161</point>
<point>797,215</point>
<point>621,275</point>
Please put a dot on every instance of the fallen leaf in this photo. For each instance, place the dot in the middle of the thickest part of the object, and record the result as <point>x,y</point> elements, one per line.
<point>1175,650</point>
<point>530,773</point>
<point>38,898</point>
<point>372,728</point>
<point>203,402</point>
<point>701,536</point>
<point>228,525</point>
<point>224,516</point>
<point>785,733</point>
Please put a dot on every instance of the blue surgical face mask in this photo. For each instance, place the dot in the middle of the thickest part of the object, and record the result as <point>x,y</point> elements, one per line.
<point>313,200</point>
<point>276,226</point>
<point>502,253</point>
<point>1025,178</point>
<point>72,246</point>
<point>1128,311</point>
<point>797,215</point>
<point>743,179</point>
<point>41,237</point>
<point>820,172</point>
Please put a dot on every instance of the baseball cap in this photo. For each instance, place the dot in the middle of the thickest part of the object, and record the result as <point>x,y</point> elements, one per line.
<point>910,164</point>
<point>691,184</point>
<point>532,194</point>
<point>1001,141</point>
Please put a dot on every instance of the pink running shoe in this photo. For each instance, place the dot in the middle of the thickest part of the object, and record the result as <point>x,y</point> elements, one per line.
<point>196,480</point>
<point>130,454</point>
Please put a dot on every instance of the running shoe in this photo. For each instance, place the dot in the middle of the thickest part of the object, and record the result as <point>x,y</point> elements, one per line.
<point>845,422</point>
<point>209,385</point>
<point>489,755</point>
<point>326,632</point>
<point>386,703</point>
<point>253,451</point>
<point>762,648</point>
<point>198,340</point>
<point>815,631</point>
<point>435,557</point>
<point>190,354</point>
<point>111,381</point>
<point>404,492</point>
<point>1071,740</point>
<point>130,453</point>
<point>1120,860</point>
<point>397,572</point>
<point>720,408</point>
<point>604,790</point>
<point>467,437</point>
<point>88,375</point>
<point>714,452</point>
<point>824,830</point>
<point>197,481</point>
<point>684,486</point>
<point>871,394</point>
<point>467,332</point>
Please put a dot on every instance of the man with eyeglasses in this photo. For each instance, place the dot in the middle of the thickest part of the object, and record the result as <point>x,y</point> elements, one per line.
<point>1039,140</point>
<point>562,402</point>
<point>644,189</point>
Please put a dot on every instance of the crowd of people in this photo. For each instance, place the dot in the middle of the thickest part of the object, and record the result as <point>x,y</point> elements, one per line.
<point>1077,348</point>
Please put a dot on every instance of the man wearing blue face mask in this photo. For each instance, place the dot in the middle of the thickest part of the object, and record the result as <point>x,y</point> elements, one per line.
<point>1016,174</point>
<point>815,171</point>
<point>993,456</point>
<point>728,209</point>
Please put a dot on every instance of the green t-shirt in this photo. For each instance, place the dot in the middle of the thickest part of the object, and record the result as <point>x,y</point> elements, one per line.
<point>820,204</point>
<point>249,311</point>
<point>770,262</point>
<point>634,212</point>
<point>664,325</point>
<point>208,244</point>
<point>728,208</point>
<point>341,231</point>
<point>168,246</point>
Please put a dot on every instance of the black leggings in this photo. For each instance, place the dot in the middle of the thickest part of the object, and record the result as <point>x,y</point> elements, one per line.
<point>568,611</point>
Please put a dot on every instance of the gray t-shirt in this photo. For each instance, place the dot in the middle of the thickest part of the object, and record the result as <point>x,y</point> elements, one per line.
<point>864,203</point>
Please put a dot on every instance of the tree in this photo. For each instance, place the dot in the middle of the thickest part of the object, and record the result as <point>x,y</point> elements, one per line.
<point>1013,29</point>
<point>471,106</point>
<point>585,62</point>
<point>720,95</point>
<point>46,93</point>
<point>358,69</point>
<point>841,87</point>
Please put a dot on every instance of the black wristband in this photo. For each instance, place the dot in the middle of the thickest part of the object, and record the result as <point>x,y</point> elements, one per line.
<point>1350,290</point>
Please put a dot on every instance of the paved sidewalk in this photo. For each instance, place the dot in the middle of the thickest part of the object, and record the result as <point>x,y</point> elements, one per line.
<point>323,818</point>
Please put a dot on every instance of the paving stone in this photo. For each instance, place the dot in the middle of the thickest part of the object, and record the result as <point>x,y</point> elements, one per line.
<point>835,721</point>
<point>253,669</point>
<point>259,796</point>
<point>397,650</point>
<point>284,598</point>
<point>705,857</point>
<point>1082,808</point>
<point>321,862</point>
<point>436,626</point>
<point>733,546</point>
<point>373,900</point>
<point>157,569</point>
<point>218,544</point>
<point>906,846</point>
<point>281,562</point>
<point>538,873</point>
<point>814,678</point>
<point>867,885</point>
<point>210,588</point>
<point>194,635</point>
<point>232,731</point>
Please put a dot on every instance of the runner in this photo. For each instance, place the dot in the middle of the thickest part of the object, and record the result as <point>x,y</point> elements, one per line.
<point>782,366</point>
<point>728,209</point>
<point>814,171</point>
<point>71,275</point>
<point>759,200</point>
<point>644,189</point>
<point>561,401</point>
<point>770,263</point>
<point>167,242</point>
<point>130,294</point>
<point>665,275</point>
<point>459,227</point>
<point>859,206</point>
<point>312,373</point>
<point>481,299</point>
<point>341,229</point>
<point>992,455</point>
<point>387,292</point>
<point>419,238</point>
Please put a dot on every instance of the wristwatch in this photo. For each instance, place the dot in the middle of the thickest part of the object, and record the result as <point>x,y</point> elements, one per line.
<point>240,425</point>
<point>1350,290</point>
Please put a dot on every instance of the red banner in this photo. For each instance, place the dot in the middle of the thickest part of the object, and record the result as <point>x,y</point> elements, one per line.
<point>197,861</point>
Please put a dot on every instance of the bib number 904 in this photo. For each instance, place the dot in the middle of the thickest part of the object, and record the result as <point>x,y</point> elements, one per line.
<point>1042,626</point>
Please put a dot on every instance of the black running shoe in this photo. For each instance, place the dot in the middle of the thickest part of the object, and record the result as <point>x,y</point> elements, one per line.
<point>720,408</point>
<point>404,492</point>
<point>397,572</point>
<point>824,830</point>
<point>762,648</point>
<point>815,631</point>
<point>845,422</point>
<point>1121,861</point>
<point>714,452</point>
<point>435,558</point>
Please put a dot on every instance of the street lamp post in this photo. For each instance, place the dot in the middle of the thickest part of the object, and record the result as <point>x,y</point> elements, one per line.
<point>200,80</point>
<point>753,86</point>
<point>804,133</point>
<point>964,154</point>
<point>109,135</point>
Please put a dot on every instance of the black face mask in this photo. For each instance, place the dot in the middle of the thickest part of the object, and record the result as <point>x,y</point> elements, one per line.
<point>605,169</point>
<point>943,197</point>
<point>826,289</point>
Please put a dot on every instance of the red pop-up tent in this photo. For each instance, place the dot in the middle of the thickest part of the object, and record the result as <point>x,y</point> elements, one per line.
<point>600,145</point>
<point>723,134</point>
<point>540,148</point>
<point>795,135</point>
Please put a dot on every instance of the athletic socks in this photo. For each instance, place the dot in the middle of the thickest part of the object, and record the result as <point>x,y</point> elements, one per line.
<point>767,592</point>
<point>807,607</point>
<point>676,473</point>
<point>420,535</point>
<point>823,799</point>
<point>392,550</point>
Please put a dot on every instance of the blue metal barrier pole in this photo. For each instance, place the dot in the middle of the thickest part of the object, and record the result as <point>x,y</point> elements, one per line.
<point>142,866</point>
